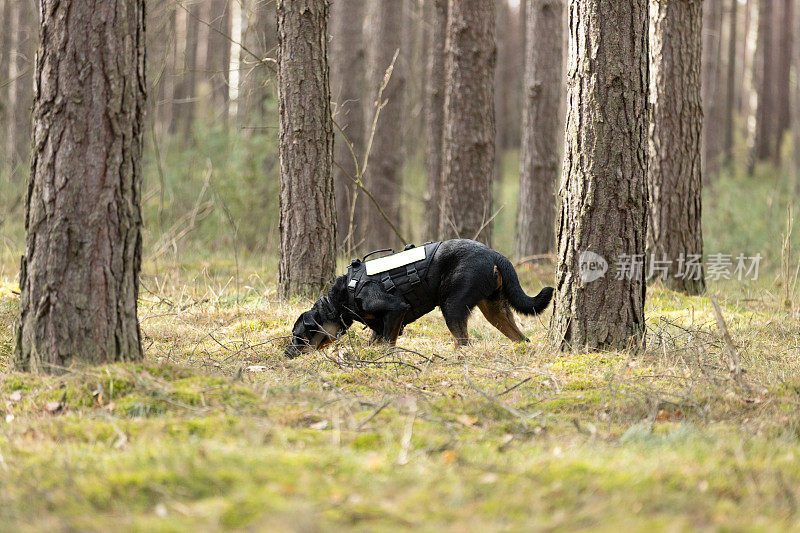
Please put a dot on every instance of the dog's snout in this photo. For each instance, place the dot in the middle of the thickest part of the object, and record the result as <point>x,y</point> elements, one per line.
<point>291,351</point>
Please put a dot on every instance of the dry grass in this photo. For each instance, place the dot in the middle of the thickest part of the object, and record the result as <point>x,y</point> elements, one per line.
<point>216,429</point>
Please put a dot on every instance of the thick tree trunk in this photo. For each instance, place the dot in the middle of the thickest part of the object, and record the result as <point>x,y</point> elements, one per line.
<point>79,276</point>
<point>541,127</point>
<point>674,174</point>
<point>730,83</point>
<point>434,117</point>
<point>347,84</point>
<point>712,86</point>
<point>218,56</point>
<point>469,130</point>
<point>604,190</point>
<point>307,217</point>
<point>383,174</point>
<point>763,143</point>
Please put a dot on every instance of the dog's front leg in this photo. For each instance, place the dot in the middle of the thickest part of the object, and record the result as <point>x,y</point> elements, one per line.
<point>393,322</point>
<point>391,308</point>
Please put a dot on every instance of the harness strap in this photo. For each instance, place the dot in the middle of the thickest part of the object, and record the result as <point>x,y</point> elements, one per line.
<point>387,283</point>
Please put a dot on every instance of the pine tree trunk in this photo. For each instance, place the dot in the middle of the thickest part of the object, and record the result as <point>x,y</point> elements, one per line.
<point>783,67</point>
<point>383,174</point>
<point>183,115</point>
<point>218,55</point>
<point>711,83</point>
<point>260,37</point>
<point>79,276</point>
<point>469,129</point>
<point>434,117</point>
<point>501,81</point>
<point>159,36</point>
<point>730,91</point>
<point>20,98</point>
<point>764,138</point>
<point>307,217</point>
<point>751,66</point>
<point>541,127</point>
<point>674,174</point>
<point>347,83</point>
<point>6,111</point>
<point>796,101</point>
<point>604,190</point>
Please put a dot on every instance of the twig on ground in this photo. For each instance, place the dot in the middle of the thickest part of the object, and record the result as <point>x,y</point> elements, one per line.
<point>373,414</point>
<point>405,443</point>
<point>514,387</point>
<point>499,403</point>
<point>734,364</point>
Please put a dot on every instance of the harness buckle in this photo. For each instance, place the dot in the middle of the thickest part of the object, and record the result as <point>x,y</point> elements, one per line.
<point>388,284</point>
<point>413,275</point>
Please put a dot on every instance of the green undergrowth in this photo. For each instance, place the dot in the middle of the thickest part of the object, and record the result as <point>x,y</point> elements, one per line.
<point>215,429</point>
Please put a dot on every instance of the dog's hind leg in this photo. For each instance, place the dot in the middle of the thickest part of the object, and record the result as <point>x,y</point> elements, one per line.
<point>499,314</point>
<point>456,316</point>
<point>376,336</point>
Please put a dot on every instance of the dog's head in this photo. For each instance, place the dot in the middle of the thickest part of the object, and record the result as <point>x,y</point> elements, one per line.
<point>315,328</point>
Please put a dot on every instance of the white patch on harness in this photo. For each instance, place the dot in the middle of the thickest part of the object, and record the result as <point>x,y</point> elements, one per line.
<point>390,262</point>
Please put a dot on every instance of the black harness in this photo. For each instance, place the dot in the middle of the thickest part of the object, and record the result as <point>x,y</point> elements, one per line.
<point>410,282</point>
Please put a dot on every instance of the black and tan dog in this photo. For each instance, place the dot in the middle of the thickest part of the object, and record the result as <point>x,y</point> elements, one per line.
<point>455,275</point>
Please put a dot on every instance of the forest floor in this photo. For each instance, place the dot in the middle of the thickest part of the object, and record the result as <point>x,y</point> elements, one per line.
<point>215,428</point>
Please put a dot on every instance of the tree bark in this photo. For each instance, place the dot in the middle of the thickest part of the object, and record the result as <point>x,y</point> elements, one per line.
<point>434,117</point>
<point>674,174</point>
<point>307,217</point>
<point>712,87</point>
<point>383,174</point>
<point>469,128</point>
<point>604,190</point>
<point>541,124</point>
<point>764,110</point>
<point>347,82</point>
<point>79,276</point>
<point>730,91</point>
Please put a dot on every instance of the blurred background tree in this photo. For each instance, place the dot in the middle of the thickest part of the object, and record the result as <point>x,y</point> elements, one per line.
<point>211,173</point>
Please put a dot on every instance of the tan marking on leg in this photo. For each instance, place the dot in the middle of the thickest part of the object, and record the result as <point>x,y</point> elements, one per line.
<point>499,314</point>
<point>497,278</point>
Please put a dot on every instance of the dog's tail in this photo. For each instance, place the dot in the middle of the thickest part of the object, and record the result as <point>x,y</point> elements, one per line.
<point>513,292</point>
